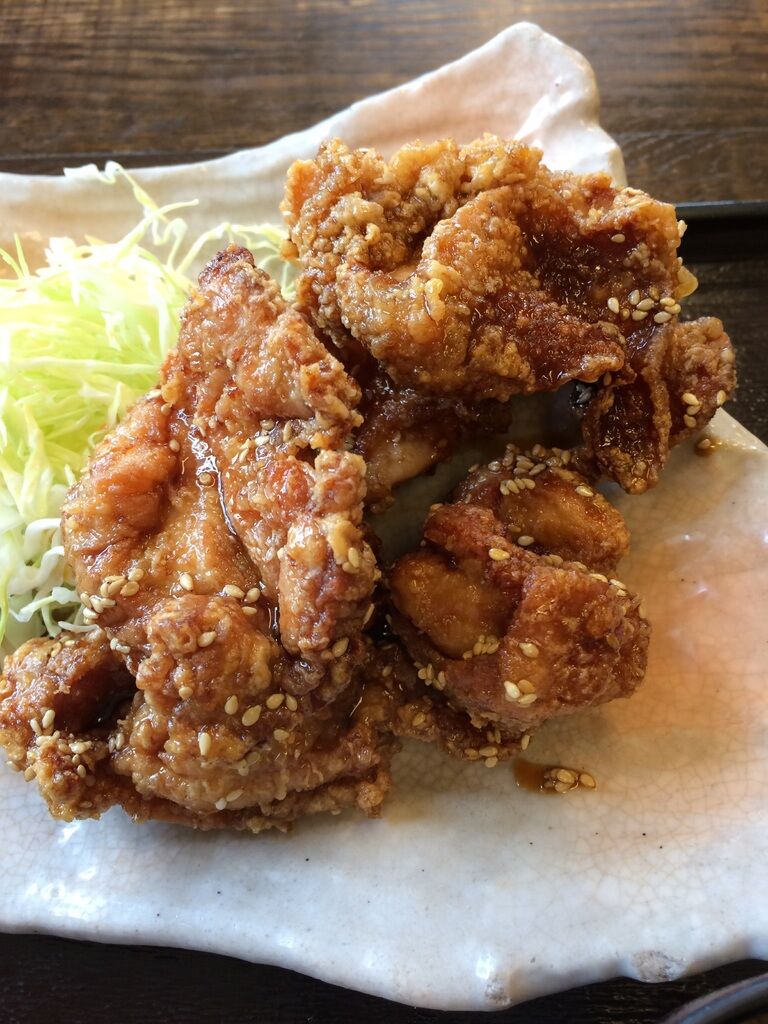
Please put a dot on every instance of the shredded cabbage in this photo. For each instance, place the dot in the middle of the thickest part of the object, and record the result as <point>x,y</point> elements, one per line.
<point>81,338</point>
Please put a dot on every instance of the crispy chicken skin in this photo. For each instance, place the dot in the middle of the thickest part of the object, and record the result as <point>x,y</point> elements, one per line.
<point>513,629</point>
<point>216,539</point>
<point>474,271</point>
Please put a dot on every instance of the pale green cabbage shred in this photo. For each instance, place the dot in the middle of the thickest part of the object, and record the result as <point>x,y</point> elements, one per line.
<point>81,338</point>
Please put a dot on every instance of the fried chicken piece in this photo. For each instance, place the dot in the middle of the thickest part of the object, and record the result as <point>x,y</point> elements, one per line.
<point>223,559</point>
<point>477,272</point>
<point>509,636</point>
<point>680,374</point>
<point>72,719</point>
<point>404,433</point>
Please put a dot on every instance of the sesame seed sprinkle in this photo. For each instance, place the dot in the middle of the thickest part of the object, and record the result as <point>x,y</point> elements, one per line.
<point>253,595</point>
<point>645,305</point>
<point>584,491</point>
<point>186,581</point>
<point>206,639</point>
<point>232,590</point>
<point>252,715</point>
<point>525,540</point>
<point>340,647</point>
<point>512,690</point>
<point>661,317</point>
<point>204,742</point>
<point>613,304</point>
<point>530,650</point>
<point>274,701</point>
<point>231,705</point>
<point>689,421</point>
<point>634,297</point>
<point>618,237</point>
<point>174,445</point>
<point>525,742</point>
<point>206,479</point>
<point>281,735</point>
<point>639,314</point>
<point>721,398</point>
<point>129,589</point>
<point>498,554</point>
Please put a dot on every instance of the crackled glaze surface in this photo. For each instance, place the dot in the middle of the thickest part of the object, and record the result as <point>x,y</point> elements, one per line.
<point>471,892</point>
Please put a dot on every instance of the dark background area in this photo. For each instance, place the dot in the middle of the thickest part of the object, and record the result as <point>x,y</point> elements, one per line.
<point>684,90</point>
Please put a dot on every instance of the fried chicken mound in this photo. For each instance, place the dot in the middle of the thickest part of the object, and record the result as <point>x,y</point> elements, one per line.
<point>476,272</point>
<point>247,663</point>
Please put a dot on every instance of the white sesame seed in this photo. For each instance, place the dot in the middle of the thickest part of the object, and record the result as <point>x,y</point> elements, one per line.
<point>662,317</point>
<point>206,639</point>
<point>418,719</point>
<point>528,699</point>
<point>512,690</point>
<point>619,237</point>
<point>491,762</point>
<point>646,304</point>
<point>340,647</point>
<point>231,705</point>
<point>488,751</point>
<point>129,589</point>
<point>185,692</point>
<point>253,595</point>
<point>206,479</point>
<point>634,297</point>
<point>81,770</point>
<point>525,540</point>
<point>281,735</point>
<point>174,445</point>
<point>565,775</point>
<point>186,581</point>
<point>525,742</point>
<point>90,615</point>
<point>368,613</point>
<point>688,398</point>
<point>613,304</point>
<point>235,794</point>
<point>720,398</point>
<point>498,554</point>
<point>639,314</point>
<point>250,611</point>
<point>530,650</point>
<point>290,702</point>
<point>252,715</point>
<point>136,574</point>
<point>221,804</point>
<point>689,421</point>
<point>584,491</point>
<point>48,717</point>
<point>274,700</point>
<point>204,743</point>
<point>526,686</point>
<point>585,779</point>
<point>232,590</point>
<point>353,556</point>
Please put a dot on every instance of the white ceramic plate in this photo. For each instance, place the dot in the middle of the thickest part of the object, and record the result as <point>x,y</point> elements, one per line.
<point>470,892</point>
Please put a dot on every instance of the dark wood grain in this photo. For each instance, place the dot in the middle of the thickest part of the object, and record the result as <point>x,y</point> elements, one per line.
<point>683,84</point>
<point>153,81</point>
<point>79,983</point>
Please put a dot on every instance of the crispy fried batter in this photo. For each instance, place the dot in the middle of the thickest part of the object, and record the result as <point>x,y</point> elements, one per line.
<point>477,272</point>
<point>513,636</point>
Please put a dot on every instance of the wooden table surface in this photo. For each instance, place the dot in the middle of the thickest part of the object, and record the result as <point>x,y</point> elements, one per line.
<point>683,88</point>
